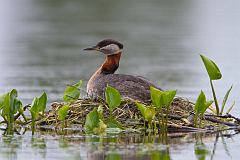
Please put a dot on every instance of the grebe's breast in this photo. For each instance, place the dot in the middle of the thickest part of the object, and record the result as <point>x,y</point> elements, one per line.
<point>130,87</point>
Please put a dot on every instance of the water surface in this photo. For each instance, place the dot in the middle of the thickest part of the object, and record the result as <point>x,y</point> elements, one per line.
<point>41,46</point>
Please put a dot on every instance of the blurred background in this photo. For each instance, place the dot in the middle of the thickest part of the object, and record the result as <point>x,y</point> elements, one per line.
<point>41,43</point>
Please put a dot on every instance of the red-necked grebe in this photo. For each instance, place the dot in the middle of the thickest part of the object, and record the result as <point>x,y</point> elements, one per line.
<point>130,87</point>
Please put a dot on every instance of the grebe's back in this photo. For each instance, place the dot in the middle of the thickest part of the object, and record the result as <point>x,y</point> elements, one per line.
<point>130,87</point>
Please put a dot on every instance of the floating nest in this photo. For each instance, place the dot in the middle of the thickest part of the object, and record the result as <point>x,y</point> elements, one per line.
<point>180,117</point>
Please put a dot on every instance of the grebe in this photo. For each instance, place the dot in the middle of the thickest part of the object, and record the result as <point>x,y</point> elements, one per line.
<point>130,87</point>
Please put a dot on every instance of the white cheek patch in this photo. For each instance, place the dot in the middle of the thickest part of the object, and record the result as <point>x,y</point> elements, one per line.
<point>110,49</point>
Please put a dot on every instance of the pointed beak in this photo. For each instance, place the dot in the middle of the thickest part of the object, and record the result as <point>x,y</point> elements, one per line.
<point>93,48</point>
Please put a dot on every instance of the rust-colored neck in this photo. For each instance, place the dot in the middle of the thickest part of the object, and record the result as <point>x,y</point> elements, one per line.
<point>111,64</point>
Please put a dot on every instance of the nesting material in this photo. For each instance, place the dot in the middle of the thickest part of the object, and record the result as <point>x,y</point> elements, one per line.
<point>180,118</point>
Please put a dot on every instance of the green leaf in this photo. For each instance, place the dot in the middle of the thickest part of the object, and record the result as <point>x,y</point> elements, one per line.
<point>17,106</point>
<point>12,98</point>
<point>168,97</point>
<point>225,99</point>
<point>10,104</point>
<point>156,95</point>
<point>6,110</point>
<point>38,105</point>
<point>113,123</point>
<point>72,92</point>
<point>100,111</point>
<point>113,97</point>
<point>34,109</point>
<point>142,108</point>
<point>212,69</point>
<point>92,121</point>
<point>2,98</point>
<point>42,102</point>
<point>205,107</point>
<point>201,104</point>
<point>101,128</point>
<point>149,113</point>
<point>63,112</point>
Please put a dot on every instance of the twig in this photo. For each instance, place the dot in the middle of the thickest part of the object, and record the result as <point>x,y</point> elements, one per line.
<point>179,128</point>
<point>214,120</point>
<point>225,116</point>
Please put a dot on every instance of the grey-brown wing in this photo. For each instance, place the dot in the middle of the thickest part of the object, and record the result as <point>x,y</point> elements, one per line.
<point>129,86</point>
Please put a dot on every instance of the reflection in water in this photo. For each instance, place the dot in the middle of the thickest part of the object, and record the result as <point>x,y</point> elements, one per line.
<point>132,146</point>
<point>200,149</point>
<point>39,146</point>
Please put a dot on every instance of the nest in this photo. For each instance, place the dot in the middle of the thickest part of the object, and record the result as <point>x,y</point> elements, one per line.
<point>180,116</point>
<point>127,113</point>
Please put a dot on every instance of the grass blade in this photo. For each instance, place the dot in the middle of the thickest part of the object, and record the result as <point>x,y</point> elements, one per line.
<point>229,110</point>
<point>225,99</point>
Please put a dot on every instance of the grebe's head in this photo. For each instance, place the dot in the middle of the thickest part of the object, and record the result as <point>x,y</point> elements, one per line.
<point>107,46</point>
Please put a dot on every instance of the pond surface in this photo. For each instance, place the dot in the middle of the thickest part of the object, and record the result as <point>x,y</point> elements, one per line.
<point>219,145</point>
<point>41,46</point>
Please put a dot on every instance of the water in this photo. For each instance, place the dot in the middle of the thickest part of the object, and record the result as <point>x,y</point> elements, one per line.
<point>41,46</point>
<point>223,145</point>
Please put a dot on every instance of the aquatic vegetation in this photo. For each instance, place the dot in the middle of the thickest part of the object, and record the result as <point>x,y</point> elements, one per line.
<point>10,105</point>
<point>215,74</point>
<point>72,92</point>
<point>94,124</point>
<point>160,100</point>
<point>113,100</point>
<point>11,108</point>
<point>225,101</point>
<point>200,107</point>
<point>38,105</point>
<point>200,150</point>
<point>62,114</point>
<point>148,113</point>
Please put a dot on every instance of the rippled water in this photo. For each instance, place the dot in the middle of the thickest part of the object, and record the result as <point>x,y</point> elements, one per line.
<point>41,46</point>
